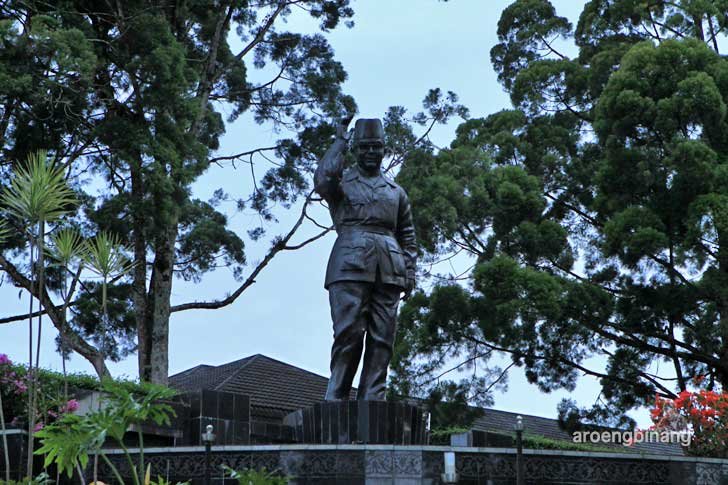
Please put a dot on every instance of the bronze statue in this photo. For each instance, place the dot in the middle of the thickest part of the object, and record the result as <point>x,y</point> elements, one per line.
<point>372,261</point>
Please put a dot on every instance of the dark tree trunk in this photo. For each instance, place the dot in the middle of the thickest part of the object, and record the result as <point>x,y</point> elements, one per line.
<point>139,275</point>
<point>160,293</point>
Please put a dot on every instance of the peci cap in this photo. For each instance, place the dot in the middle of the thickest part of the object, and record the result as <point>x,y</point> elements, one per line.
<point>368,130</point>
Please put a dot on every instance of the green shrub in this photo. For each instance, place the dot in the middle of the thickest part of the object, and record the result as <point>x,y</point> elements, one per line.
<point>51,395</point>
<point>256,477</point>
<point>41,479</point>
<point>538,442</point>
<point>441,436</point>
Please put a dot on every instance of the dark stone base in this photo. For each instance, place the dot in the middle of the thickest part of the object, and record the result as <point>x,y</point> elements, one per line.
<point>353,422</point>
<point>18,456</point>
<point>17,453</point>
<point>423,465</point>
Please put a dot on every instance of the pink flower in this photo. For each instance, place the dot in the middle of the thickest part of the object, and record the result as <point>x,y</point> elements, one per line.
<point>4,360</point>
<point>71,406</point>
<point>20,387</point>
<point>38,427</point>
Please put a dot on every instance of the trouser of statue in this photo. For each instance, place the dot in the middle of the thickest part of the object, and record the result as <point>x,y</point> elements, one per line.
<point>362,310</point>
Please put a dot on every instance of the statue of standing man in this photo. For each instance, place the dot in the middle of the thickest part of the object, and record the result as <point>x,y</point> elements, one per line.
<point>372,262</point>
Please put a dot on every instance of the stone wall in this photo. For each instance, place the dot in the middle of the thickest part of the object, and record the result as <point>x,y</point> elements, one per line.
<point>409,465</point>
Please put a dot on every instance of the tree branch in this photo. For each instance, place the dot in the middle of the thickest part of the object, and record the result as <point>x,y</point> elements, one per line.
<point>74,340</point>
<point>262,31</point>
<point>570,363</point>
<point>279,245</point>
<point>240,155</point>
<point>211,70</point>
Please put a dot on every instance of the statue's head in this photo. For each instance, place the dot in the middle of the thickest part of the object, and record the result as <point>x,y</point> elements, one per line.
<point>369,144</point>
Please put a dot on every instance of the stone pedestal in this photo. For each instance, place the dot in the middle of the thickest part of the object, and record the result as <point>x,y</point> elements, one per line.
<point>367,422</point>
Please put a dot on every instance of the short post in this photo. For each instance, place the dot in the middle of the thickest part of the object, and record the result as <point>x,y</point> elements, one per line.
<point>520,478</point>
<point>450,475</point>
<point>208,439</point>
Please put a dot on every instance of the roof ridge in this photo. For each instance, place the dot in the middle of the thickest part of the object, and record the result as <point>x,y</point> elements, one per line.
<point>519,414</point>
<point>291,365</point>
<point>190,370</point>
<point>247,362</point>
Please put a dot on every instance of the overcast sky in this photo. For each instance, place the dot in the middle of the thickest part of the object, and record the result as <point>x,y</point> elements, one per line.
<point>395,53</point>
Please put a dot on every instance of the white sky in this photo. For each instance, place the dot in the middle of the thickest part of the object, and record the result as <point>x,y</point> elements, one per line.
<point>396,52</point>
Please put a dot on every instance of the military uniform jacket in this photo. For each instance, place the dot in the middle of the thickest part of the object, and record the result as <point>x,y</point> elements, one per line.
<point>373,221</point>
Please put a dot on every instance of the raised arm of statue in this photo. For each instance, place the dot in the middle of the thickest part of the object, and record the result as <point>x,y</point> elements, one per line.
<point>327,178</point>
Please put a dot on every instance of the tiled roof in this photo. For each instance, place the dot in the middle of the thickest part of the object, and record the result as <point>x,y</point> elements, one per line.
<point>271,384</point>
<point>205,376</point>
<point>500,421</point>
<point>504,421</point>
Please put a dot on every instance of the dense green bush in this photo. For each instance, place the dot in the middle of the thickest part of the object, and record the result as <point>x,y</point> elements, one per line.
<point>538,442</point>
<point>441,436</point>
<point>530,441</point>
<point>52,400</point>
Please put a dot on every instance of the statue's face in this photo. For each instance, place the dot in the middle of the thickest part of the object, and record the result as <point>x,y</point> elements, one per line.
<point>369,154</point>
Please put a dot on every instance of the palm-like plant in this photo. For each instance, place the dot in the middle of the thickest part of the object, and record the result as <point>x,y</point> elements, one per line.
<point>39,191</point>
<point>105,256</point>
<point>3,237</point>
<point>66,247</point>
<point>38,194</point>
<point>4,232</point>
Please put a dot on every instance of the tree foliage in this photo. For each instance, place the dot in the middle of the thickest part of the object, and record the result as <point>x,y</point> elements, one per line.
<point>129,97</point>
<point>593,213</point>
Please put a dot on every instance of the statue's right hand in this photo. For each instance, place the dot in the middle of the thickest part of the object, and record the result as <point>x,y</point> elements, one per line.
<point>341,128</point>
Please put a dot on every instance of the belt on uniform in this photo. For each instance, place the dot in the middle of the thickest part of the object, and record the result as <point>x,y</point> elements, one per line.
<point>367,228</point>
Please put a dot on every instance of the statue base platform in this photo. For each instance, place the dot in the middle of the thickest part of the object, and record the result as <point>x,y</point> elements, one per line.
<point>354,422</point>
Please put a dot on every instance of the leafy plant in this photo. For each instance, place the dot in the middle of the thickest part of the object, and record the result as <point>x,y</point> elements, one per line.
<point>106,258</point>
<point>4,231</point>
<point>38,194</point>
<point>38,191</point>
<point>3,236</point>
<point>538,442</point>
<point>159,481</point>
<point>51,385</point>
<point>50,402</point>
<point>256,477</point>
<point>70,441</point>
<point>42,479</point>
<point>441,436</point>
<point>66,246</point>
